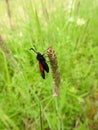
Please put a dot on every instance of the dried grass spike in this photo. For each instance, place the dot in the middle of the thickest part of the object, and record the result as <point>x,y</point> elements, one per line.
<point>55,70</point>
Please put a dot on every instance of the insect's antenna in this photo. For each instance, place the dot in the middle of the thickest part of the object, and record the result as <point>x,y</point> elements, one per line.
<point>34,50</point>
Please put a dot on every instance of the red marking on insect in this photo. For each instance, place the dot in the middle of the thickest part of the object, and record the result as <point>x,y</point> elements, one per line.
<point>42,70</point>
<point>41,66</point>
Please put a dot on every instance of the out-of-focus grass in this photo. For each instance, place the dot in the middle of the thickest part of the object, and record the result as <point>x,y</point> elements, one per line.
<point>26,100</point>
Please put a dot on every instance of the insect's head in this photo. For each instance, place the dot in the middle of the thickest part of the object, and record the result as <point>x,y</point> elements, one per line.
<point>39,55</point>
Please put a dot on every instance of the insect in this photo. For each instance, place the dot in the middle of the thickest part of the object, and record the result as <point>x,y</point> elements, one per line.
<point>42,62</point>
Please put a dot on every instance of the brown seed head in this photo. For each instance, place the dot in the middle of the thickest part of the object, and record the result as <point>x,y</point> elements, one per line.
<point>55,70</point>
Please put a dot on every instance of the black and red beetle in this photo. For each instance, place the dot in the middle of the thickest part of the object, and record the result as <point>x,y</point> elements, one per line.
<point>42,63</point>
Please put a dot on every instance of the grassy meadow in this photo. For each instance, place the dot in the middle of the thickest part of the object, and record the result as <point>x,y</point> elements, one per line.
<point>27,101</point>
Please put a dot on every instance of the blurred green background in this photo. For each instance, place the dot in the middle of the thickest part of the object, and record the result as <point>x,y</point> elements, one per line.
<point>26,100</point>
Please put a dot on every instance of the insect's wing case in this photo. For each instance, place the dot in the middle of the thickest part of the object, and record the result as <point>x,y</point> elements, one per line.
<point>45,66</point>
